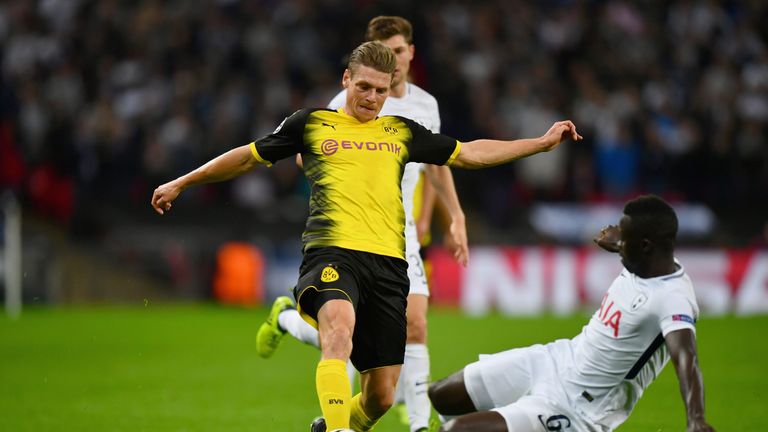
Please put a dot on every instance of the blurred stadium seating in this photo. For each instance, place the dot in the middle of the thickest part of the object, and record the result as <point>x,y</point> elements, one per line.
<point>101,101</point>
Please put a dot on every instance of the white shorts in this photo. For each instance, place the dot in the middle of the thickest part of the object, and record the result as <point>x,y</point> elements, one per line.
<point>416,272</point>
<point>522,385</point>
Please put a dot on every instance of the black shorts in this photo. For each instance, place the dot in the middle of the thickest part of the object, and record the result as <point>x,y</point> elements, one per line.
<point>377,286</point>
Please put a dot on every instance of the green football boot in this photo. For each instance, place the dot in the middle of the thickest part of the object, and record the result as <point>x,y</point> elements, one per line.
<point>402,413</point>
<point>270,334</point>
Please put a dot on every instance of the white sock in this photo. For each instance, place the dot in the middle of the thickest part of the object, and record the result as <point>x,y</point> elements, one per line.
<point>290,321</point>
<point>399,390</point>
<point>415,375</point>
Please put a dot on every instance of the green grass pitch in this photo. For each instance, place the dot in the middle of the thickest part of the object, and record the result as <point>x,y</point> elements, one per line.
<point>194,368</point>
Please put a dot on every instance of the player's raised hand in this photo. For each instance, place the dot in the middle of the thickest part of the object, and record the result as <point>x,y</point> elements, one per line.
<point>422,231</point>
<point>609,238</point>
<point>559,132</point>
<point>164,196</point>
<point>456,242</point>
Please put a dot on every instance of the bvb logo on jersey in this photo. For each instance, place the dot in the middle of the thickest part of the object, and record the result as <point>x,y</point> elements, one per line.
<point>390,130</point>
<point>329,274</point>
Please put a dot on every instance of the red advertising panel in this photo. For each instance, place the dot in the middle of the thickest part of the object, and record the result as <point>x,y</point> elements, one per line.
<point>532,280</point>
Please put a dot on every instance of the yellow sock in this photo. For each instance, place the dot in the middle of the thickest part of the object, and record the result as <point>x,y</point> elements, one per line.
<point>334,393</point>
<point>359,420</point>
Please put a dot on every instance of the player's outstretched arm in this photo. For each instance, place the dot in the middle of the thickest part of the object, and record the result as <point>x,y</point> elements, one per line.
<point>682,349</point>
<point>485,153</point>
<point>224,167</point>
<point>456,233</point>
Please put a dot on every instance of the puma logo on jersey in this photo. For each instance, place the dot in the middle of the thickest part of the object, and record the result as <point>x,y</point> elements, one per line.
<point>332,126</point>
<point>329,274</point>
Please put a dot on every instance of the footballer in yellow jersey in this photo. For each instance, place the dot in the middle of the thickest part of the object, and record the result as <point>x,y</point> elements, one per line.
<point>354,171</point>
<point>353,279</point>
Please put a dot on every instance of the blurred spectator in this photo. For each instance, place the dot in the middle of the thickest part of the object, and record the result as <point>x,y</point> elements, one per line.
<point>101,100</point>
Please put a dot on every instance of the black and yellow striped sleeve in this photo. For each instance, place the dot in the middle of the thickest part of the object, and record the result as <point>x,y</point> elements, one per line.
<point>287,140</point>
<point>429,147</point>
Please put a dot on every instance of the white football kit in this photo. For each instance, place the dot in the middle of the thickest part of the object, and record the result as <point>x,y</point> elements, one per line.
<point>593,381</point>
<point>421,107</point>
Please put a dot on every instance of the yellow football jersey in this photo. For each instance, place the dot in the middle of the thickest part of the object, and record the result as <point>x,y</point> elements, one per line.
<point>354,171</point>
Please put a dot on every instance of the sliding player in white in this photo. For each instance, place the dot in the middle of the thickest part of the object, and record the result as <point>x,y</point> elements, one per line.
<point>593,381</point>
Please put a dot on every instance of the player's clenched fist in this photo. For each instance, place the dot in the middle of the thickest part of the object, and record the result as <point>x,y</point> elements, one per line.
<point>164,196</point>
<point>559,132</point>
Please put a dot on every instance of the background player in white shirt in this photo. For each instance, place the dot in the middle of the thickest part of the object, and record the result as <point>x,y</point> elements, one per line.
<point>593,381</point>
<point>410,101</point>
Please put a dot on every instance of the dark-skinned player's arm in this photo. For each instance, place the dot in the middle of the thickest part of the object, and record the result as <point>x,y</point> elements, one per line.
<point>485,153</point>
<point>229,165</point>
<point>682,349</point>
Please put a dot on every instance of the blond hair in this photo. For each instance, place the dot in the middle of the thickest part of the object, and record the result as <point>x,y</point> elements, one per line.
<point>384,27</point>
<point>374,55</point>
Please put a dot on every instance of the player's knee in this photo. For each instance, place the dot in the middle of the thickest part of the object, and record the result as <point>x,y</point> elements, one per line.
<point>449,396</point>
<point>336,342</point>
<point>417,329</point>
<point>341,333</point>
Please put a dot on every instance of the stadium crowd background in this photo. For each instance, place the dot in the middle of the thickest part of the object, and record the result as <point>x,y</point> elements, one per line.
<point>101,101</point>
